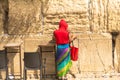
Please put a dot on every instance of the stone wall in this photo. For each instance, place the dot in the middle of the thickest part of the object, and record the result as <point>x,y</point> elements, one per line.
<point>38,16</point>
<point>24,16</point>
<point>93,50</point>
<point>114,13</point>
<point>43,15</point>
<point>3,16</point>
<point>91,20</point>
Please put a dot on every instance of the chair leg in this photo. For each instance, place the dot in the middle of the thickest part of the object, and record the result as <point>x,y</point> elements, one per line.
<point>25,74</point>
<point>41,73</point>
<point>44,66</point>
<point>7,73</point>
<point>44,73</point>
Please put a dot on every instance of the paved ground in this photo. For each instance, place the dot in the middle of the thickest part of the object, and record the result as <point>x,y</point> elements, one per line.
<point>82,76</point>
<point>114,76</point>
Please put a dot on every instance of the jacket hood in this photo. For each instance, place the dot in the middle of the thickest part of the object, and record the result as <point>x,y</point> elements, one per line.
<point>63,25</point>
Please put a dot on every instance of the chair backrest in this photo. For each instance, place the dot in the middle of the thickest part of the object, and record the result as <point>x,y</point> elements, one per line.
<point>3,59</point>
<point>48,48</point>
<point>32,60</point>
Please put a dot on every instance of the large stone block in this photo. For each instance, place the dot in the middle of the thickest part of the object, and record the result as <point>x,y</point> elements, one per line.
<point>31,43</point>
<point>95,53</point>
<point>117,53</point>
<point>59,6</point>
<point>24,16</point>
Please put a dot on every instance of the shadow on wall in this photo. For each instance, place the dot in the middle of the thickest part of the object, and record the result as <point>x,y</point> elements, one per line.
<point>4,9</point>
<point>114,36</point>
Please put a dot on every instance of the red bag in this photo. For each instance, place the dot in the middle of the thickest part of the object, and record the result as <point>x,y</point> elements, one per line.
<point>74,53</point>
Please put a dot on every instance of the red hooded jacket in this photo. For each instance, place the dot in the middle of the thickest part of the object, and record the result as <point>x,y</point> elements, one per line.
<point>62,35</point>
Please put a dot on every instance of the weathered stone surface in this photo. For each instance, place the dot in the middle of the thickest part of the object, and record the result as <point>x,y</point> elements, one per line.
<point>117,53</point>
<point>44,15</point>
<point>37,19</point>
<point>59,6</point>
<point>1,24</point>
<point>114,13</point>
<point>3,16</point>
<point>93,50</point>
<point>30,19</point>
<point>24,16</point>
<point>72,11</point>
<point>38,16</point>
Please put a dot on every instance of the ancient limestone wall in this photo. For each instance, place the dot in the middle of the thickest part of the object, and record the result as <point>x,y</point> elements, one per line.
<point>3,16</point>
<point>114,13</point>
<point>43,16</point>
<point>24,16</point>
<point>89,19</point>
<point>117,54</point>
<point>38,16</point>
<point>1,19</point>
<point>93,50</point>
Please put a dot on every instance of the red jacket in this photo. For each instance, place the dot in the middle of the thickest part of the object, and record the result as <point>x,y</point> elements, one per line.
<point>62,35</point>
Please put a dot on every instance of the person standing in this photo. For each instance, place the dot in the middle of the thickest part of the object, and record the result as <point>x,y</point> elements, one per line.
<point>63,38</point>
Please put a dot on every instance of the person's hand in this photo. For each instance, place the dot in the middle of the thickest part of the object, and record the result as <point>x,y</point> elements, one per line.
<point>74,37</point>
<point>69,30</point>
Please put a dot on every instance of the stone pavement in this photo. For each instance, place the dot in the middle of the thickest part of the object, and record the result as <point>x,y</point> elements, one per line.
<point>83,76</point>
<point>90,76</point>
